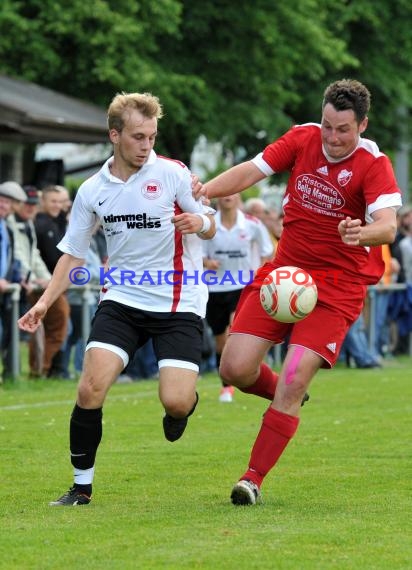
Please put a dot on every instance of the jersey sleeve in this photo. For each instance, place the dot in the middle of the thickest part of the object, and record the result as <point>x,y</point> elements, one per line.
<point>281,154</point>
<point>262,165</point>
<point>381,188</point>
<point>82,220</point>
<point>185,198</point>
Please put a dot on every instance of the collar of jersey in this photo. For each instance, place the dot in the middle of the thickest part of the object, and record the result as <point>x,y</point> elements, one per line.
<point>106,170</point>
<point>336,160</point>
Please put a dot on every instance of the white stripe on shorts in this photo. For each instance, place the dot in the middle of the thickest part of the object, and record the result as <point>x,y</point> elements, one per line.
<point>112,347</point>
<point>178,364</point>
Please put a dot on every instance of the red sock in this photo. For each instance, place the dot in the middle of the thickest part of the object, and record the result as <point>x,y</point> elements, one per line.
<point>265,385</point>
<point>276,431</point>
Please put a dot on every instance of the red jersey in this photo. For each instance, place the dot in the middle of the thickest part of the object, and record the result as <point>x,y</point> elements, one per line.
<point>320,193</point>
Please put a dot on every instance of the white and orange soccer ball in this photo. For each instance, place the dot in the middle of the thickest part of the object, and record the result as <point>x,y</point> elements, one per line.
<point>288,294</point>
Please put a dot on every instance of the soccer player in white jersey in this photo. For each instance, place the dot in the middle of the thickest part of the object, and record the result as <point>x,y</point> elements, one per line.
<point>339,208</point>
<point>153,288</point>
<point>229,263</point>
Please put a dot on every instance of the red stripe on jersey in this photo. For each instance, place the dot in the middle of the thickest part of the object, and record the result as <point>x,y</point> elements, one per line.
<point>182,164</point>
<point>177,264</point>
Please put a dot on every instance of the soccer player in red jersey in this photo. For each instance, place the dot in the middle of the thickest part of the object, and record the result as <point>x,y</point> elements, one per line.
<point>339,206</point>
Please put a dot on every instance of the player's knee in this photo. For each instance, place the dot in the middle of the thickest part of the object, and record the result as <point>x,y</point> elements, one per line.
<point>232,373</point>
<point>295,386</point>
<point>177,407</point>
<point>90,392</point>
<point>293,378</point>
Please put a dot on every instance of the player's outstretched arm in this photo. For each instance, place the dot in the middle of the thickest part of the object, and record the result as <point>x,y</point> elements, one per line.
<point>59,282</point>
<point>234,180</point>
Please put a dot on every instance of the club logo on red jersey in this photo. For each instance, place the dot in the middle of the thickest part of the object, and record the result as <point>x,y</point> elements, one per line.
<point>152,189</point>
<point>344,176</point>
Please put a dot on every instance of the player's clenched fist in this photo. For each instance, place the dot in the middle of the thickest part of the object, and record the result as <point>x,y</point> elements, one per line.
<point>350,231</point>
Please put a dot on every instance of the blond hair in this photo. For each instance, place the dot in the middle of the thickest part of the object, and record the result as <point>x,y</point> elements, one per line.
<point>146,103</point>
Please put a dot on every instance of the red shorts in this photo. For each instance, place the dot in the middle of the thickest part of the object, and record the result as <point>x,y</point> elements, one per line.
<point>323,331</point>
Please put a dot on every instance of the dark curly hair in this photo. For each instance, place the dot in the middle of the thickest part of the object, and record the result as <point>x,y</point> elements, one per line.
<point>348,94</point>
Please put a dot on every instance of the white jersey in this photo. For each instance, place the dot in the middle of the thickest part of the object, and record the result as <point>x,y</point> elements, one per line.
<point>152,266</point>
<point>235,249</point>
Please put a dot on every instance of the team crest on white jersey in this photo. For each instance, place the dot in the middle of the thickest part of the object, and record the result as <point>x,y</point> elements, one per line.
<point>323,170</point>
<point>152,189</point>
<point>344,176</point>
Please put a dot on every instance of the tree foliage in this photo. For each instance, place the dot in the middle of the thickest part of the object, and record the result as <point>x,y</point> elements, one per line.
<point>240,74</point>
<point>378,35</point>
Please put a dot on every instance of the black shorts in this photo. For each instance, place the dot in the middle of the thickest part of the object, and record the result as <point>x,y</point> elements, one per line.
<point>220,308</point>
<point>176,336</point>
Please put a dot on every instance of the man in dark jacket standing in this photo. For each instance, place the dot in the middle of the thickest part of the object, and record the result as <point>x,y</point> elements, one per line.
<point>49,231</point>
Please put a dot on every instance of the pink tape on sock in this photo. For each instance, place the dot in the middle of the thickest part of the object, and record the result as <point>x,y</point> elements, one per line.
<point>296,358</point>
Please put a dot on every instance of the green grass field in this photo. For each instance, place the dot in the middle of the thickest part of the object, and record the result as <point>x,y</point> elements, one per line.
<point>338,499</point>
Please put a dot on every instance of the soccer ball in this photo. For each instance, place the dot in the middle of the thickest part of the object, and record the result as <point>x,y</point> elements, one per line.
<point>288,294</point>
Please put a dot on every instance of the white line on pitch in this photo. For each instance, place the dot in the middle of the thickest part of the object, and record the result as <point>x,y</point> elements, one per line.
<point>68,402</point>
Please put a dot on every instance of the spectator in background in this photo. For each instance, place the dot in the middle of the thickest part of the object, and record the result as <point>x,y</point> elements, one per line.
<point>229,255</point>
<point>405,246</point>
<point>403,220</point>
<point>255,207</point>
<point>34,273</point>
<point>76,298</point>
<point>48,224</point>
<point>399,302</point>
<point>11,194</point>
<point>66,203</point>
<point>273,220</point>
<point>355,347</point>
<point>33,269</point>
<point>50,231</point>
<point>382,342</point>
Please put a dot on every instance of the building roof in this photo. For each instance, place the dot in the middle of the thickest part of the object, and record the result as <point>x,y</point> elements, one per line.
<point>30,113</point>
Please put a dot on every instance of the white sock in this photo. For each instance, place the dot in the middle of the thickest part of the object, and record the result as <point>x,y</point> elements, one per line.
<point>83,476</point>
